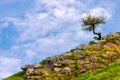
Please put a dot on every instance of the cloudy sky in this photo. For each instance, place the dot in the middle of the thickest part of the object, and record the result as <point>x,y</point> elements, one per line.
<point>31,30</point>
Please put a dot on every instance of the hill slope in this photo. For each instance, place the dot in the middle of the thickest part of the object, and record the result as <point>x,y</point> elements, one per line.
<point>82,61</point>
<point>17,76</point>
<point>108,73</point>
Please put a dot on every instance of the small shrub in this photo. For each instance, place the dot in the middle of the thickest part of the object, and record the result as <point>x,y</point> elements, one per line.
<point>72,50</point>
<point>43,62</point>
<point>91,42</point>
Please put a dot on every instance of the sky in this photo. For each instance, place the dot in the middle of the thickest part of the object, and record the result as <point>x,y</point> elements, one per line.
<point>32,30</point>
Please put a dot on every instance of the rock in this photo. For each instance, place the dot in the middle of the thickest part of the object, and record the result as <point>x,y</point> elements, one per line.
<point>57,69</point>
<point>67,61</point>
<point>49,64</point>
<point>114,34</point>
<point>79,53</point>
<point>35,78</point>
<point>57,64</point>
<point>65,71</point>
<point>110,44</point>
<point>67,54</point>
<point>28,66</point>
<point>118,41</point>
<point>81,46</point>
<point>83,70</point>
<point>37,66</point>
<point>68,68</point>
<point>29,71</point>
<point>97,41</point>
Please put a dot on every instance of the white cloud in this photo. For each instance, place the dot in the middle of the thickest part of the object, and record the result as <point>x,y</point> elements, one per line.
<point>98,12</point>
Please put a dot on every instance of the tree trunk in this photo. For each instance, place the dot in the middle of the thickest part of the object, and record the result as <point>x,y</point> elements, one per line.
<point>99,34</point>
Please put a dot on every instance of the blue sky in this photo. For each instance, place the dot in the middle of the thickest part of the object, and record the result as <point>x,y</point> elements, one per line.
<point>31,30</point>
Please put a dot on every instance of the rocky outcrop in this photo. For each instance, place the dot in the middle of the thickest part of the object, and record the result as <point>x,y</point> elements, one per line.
<point>30,66</point>
<point>85,58</point>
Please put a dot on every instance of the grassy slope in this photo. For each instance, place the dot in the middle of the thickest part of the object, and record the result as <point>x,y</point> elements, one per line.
<point>17,76</point>
<point>109,73</point>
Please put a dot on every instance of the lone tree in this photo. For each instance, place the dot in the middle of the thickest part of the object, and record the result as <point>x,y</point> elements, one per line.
<point>90,23</point>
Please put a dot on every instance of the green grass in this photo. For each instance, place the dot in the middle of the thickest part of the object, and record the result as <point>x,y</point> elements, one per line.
<point>17,76</point>
<point>109,73</point>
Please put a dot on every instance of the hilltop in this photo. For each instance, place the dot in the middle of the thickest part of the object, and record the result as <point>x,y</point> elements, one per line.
<point>99,60</point>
